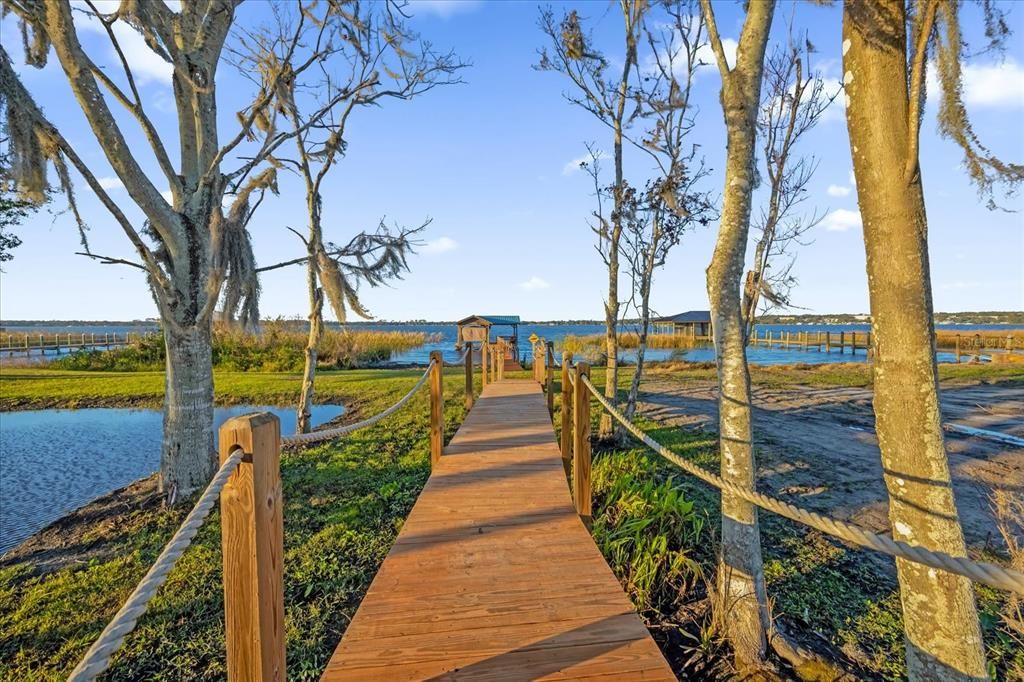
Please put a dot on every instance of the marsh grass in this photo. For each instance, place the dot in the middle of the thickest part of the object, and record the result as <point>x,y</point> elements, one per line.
<point>277,348</point>
<point>976,340</point>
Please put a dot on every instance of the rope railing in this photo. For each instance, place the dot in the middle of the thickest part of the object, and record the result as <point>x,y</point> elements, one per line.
<point>328,434</point>
<point>461,360</point>
<point>97,658</point>
<point>983,572</point>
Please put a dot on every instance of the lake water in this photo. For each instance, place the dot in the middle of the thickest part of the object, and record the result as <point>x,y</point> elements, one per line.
<point>54,461</point>
<point>445,335</point>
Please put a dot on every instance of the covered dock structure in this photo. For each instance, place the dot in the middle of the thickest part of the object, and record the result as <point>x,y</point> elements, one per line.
<point>693,323</point>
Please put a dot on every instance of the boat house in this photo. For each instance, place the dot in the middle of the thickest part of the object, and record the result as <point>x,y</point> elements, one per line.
<point>477,329</point>
<point>692,323</point>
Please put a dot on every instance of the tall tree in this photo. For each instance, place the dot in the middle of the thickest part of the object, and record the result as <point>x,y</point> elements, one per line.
<point>672,203</point>
<point>741,573</point>
<point>573,54</point>
<point>793,100</point>
<point>884,75</point>
<point>382,42</point>
<point>187,241</point>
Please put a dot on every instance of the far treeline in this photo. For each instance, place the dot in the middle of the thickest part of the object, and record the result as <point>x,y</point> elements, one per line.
<point>970,317</point>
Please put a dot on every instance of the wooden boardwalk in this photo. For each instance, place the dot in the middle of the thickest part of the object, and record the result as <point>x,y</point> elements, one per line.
<point>494,576</point>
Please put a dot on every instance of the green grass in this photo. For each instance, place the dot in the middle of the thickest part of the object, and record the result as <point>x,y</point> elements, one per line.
<point>344,504</point>
<point>818,585</point>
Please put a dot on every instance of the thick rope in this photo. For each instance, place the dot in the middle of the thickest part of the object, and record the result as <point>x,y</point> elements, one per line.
<point>460,361</point>
<point>328,434</point>
<point>97,658</point>
<point>983,572</point>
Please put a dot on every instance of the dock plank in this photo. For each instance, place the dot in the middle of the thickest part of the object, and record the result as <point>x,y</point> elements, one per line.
<point>494,576</point>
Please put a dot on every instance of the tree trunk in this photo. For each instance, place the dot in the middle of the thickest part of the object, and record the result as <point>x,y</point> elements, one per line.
<point>606,427</point>
<point>943,637</point>
<point>741,584</point>
<point>187,459</point>
<point>641,351</point>
<point>316,319</point>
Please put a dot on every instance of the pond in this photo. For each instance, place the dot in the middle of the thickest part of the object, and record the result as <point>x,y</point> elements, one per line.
<point>54,461</point>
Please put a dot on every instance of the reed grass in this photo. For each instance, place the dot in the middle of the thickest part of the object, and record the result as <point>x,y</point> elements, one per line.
<point>977,340</point>
<point>279,347</point>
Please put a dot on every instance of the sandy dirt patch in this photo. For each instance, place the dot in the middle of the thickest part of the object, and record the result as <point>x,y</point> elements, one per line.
<point>818,449</point>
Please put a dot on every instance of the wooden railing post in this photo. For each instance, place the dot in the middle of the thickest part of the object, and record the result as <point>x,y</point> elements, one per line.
<point>501,363</point>
<point>484,369</point>
<point>469,376</point>
<point>436,407</point>
<point>581,445</point>
<point>252,543</point>
<point>566,435</point>
<point>549,375</point>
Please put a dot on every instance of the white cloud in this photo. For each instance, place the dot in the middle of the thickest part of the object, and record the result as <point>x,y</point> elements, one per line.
<point>145,64</point>
<point>706,55</point>
<point>841,220</point>
<point>994,85</point>
<point>442,8</point>
<point>573,165</point>
<point>838,191</point>
<point>853,179</point>
<point>110,183</point>
<point>534,283</point>
<point>439,245</point>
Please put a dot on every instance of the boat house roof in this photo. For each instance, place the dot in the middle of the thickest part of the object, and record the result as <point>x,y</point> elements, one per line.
<point>688,316</point>
<point>490,320</point>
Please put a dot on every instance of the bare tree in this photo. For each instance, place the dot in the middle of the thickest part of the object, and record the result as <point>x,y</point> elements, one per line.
<point>793,100</point>
<point>186,243</point>
<point>884,78</point>
<point>741,571</point>
<point>654,220</point>
<point>382,43</point>
<point>573,54</point>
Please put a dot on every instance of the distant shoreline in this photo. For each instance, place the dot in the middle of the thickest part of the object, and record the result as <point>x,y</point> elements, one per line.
<point>973,317</point>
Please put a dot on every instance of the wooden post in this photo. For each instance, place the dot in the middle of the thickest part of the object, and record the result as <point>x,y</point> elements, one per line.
<point>252,543</point>
<point>581,445</point>
<point>484,369</point>
<point>436,407</point>
<point>853,343</point>
<point>958,348</point>
<point>469,376</point>
<point>549,376</point>
<point>566,435</point>
<point>842,342</point>
<point>501,363</point>
<point>828,342</point>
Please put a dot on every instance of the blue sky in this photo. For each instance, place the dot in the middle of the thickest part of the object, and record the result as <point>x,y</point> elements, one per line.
<point>491,162</point>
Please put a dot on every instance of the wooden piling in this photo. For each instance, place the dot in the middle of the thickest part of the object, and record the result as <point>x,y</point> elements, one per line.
<point>581,445</point>
<point>436,407</point>
<point>958,348</point>
<point>549,376</point>
<point>565,441</point>
<point>469,376</point>
<point>484,368</point>
<point>252,543</point>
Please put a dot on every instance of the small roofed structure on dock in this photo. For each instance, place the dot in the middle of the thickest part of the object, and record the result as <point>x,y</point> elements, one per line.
<point>477,329</point>
<point>692,323</point>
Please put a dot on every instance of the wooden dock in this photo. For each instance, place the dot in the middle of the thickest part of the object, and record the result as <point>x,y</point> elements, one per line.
<point>494,576</point>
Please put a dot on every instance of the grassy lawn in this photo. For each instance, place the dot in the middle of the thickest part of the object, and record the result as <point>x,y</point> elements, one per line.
<point>344,504</point>
<point>346,500</point>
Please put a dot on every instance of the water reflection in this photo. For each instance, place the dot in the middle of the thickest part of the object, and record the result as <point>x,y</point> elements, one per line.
<point>54,461</point>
